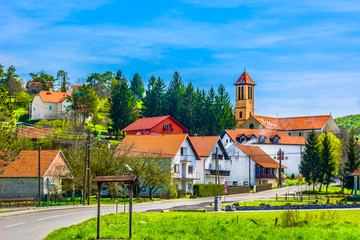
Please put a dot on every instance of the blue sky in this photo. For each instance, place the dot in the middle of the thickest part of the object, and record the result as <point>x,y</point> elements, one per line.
<point>303,55</point>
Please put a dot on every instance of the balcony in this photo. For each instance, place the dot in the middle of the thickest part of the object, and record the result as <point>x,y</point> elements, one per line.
<point>168,129</point>
<point>220,156</point>
<point>187,176</point>
<point>272,176</point>
<point>222,173</point>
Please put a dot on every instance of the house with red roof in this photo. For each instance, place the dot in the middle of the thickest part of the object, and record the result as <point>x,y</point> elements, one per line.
<point>211,166</point>
<point>20,177</point>
<point>250,166</point>
<point>34,87</point>
<point>270,141</point>
<point>177,147</point>
<point>155,125</point>
<point>50,105</point>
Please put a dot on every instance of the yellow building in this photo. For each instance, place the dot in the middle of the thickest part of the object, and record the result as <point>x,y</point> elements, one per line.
<point>244,99</point>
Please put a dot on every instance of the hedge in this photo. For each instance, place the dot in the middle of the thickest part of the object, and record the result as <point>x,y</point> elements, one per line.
<point>207,190</point>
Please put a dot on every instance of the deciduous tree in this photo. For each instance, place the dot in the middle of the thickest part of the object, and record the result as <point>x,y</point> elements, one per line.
<point>352,161</point>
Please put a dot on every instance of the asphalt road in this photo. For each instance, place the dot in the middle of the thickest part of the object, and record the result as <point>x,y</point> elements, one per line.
<point>30,224</point>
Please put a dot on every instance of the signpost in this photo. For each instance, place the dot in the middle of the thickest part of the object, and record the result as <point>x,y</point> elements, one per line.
<point>225,185</point>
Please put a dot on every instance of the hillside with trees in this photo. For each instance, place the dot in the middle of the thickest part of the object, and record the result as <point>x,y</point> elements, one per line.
<point>348,122</point>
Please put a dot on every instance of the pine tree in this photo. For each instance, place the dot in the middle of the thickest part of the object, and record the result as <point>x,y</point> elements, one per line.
<point>137,87</point>
<point>328,166</point>
<point>154,98</point>
<point>123,107</point>
<point>174,101</point>
<point>310,167</point>
<point>188,108</point>
<point>211,113</point>
<point>352,160</point>
<point>63,79</point>
<point>200,113</point>
<point>225,118</point>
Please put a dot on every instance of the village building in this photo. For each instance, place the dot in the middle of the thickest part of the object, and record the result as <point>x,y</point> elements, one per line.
<point>250,166</point>
<point>212,159</point>
<point>20,178</point>
<point>155,125</point>
<point>294,126</point>
<point>34,87</point>
<point>177,147</point>
<point>271,142</point>
<point>50,105</point>
<point>34,133</point>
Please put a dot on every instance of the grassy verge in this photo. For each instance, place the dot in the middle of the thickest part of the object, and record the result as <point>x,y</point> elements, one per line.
<point>332,190</point>
<point>194,225</point>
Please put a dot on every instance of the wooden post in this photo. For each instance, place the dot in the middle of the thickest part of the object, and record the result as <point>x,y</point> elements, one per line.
<point>355,185</point>
<point>98,211</point>
<point>130,208</point>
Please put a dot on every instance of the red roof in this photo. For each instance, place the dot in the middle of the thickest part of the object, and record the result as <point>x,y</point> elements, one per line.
<point>293,123</point>
<point>55,97</point>
<point>259,156</point>
<point>75,87</point>
<point>36,84</point>
<point>244,79</point>
<point>268,133</point>
<point>149,123</point>
<point>204,145</point>
<point>356,172</point>
<point>29,132</point>
<point>27,164</point>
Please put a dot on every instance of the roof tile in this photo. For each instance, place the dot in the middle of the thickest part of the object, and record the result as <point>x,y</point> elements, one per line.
<point>204,145</point>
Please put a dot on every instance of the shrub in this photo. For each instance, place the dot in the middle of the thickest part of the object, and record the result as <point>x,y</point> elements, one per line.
<point>172,193</point>
<point>207,190</point>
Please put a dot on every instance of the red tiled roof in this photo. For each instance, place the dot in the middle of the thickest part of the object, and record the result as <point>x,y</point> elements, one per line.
<point>55,97</point>
<point>29,132</point>
<point>259,156</point>
<point>75,87</point>
<point>204,145</point>
<point>293,123</point>
<point>358,144</point>
<point>355,173</point>
<point>284,137</point>
<point>148,123</point>
<point>156,145</point>
<point>27,164</point>
<point>36,84</point>
<point>244,79</point>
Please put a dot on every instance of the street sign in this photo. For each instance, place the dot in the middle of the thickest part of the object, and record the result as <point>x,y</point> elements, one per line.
<point>225,191</point>
<point>48,183</point>
<point>225,185</point>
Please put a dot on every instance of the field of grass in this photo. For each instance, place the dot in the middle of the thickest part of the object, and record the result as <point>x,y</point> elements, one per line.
<point>194,225</point>
<point>332,190</point>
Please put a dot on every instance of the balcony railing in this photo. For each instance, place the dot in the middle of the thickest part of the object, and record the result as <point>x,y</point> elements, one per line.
<point>220,156</point>
<point>190,176</point>
<point>168,129</point>
<point>212,172</point>
<point>265,176</point>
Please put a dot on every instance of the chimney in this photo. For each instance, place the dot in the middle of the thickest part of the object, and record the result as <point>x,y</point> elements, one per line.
<point>51,91</point>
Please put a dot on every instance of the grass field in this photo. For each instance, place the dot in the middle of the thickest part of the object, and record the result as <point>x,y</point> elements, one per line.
<point>332,190</point>
<point>290,225</point>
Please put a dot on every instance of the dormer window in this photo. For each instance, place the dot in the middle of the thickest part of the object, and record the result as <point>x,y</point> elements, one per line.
<point>276,140</point>
<point>262,139</point>
<point>242,139</point>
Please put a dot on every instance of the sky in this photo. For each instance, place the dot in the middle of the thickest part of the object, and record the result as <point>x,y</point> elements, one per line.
<point>304,55</point>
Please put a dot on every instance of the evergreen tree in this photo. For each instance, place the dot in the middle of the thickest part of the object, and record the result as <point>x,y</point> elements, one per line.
<point>188,108</point>
<point>123,107</point>
<point>310,167</point>
<point>46,80</point>
<point>154,98</point>
<point>2,79</point>
<point>328,163</point>
<point>210,123</point>
<point>174,100</point>
<point>119,76</point>
<point>200,113</point>
<point>225,118</point>
<point>63,79</point>
<point>137,87</point>
<point>352,160</point>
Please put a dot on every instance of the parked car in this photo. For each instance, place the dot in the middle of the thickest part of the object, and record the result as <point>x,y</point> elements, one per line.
<point>104,192</point>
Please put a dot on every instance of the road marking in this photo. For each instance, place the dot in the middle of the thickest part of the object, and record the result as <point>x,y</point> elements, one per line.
<point>62,215</point>
<point>13,225</point>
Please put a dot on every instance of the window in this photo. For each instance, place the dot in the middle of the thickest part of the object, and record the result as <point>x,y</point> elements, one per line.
<point>166,125</point>
<point>235,183</point>
<point>50,107</point>
<point>246,183</point>
<point>300,134</point>
<point>242,92</point>
<point>251,126</point>
<point>176,168</point>
<point>189,186</point>
<point>276,140</point>
<point>191,169</point>
<point>240,114</point>
<point>242,139</point>
<point>210,166</point>
<point>34,108</point>
<point>289,133</point>
<point>182,151</point>
<point>239,93</point>
<point>262,139</point>
<point>227,140</point>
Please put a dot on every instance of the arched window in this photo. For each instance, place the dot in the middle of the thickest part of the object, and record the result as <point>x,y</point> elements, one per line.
<point>240,114</point>
<point>251,126</point>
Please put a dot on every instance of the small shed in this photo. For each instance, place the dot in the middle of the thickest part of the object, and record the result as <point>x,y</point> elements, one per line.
<point>356,175</point>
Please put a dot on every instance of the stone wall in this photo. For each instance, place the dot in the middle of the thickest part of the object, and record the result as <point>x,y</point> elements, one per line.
<point>19,187</point>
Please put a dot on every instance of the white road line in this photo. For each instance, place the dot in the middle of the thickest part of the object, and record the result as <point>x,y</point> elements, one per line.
<point>62,215</point>
<point>13,225</point>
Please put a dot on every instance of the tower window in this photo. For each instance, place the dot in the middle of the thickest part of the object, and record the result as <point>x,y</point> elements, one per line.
<point>250,93</point>
<point>239,92</point>
<point>240,115</point>
<point>251,126</point>
<point>242,92</point>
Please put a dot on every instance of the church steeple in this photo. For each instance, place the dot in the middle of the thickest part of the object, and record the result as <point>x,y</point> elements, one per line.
<point>244,98</point>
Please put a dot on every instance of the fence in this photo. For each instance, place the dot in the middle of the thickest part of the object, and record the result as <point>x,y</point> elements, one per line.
<point>262,187</point>
<point>239,189</point>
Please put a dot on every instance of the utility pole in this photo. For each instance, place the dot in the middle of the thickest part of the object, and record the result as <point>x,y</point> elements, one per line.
<point>249,171</point>
<point>88,169</point>
<point>39,185</point>
<point>85,175</point>
<point>279,155</point>
<point>217,168</point>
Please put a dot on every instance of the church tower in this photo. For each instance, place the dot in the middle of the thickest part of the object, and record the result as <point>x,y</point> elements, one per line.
<point>244,99</point>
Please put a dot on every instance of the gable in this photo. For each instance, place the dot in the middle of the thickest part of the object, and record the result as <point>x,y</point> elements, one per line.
<point>149,123</point>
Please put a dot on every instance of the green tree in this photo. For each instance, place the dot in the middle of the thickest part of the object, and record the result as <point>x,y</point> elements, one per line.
<point>85,102</point>
<point>211,113</point>
<point>123,107</point>
<point>200,113</point>
<point>224,112</point>
<point>10,145</point>
<point>174,98</point>
<point>46,80</point>
<point>2,78</point>
<point>137,87</point>
<point>153,101</point>
<point>15,87</point>
<point>63,79</point>
<point>310,167</point>
<point>352,160</point>
<point>188,108</point>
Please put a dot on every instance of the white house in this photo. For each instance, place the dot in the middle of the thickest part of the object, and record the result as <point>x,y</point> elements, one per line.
<point>209,166</point>
<point>250,166</point>
<point>177,147</point>
<point>271,142</point>
<point>50,105</point>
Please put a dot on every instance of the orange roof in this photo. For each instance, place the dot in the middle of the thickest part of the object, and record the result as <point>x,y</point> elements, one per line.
<point>29,132</point>
<point>75,87</point>
<point>204,145</point>
<point>284,137</point>
<point>55,97</point>
<point>355,173</point>
<point>156,145</point>
<point>148,123</point>
<point>36,84</point>
<point>293,123</point>
<point>244,79</point>
<point>259,156</point>
<point>358,144</point>
<point>27,164</point>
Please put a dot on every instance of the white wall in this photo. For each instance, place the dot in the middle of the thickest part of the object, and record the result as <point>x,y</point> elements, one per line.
<point>40,109</point>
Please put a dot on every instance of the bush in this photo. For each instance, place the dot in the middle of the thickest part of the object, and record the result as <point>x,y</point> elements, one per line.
<point>207,190</point>
<point>172,193</point>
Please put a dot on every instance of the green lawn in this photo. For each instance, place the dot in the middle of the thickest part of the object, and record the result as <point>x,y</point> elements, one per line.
<point>194,225</point>
<point>332,190</point>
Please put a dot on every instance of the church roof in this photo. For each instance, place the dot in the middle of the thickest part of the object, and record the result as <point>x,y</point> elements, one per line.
<point>244,79</point>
